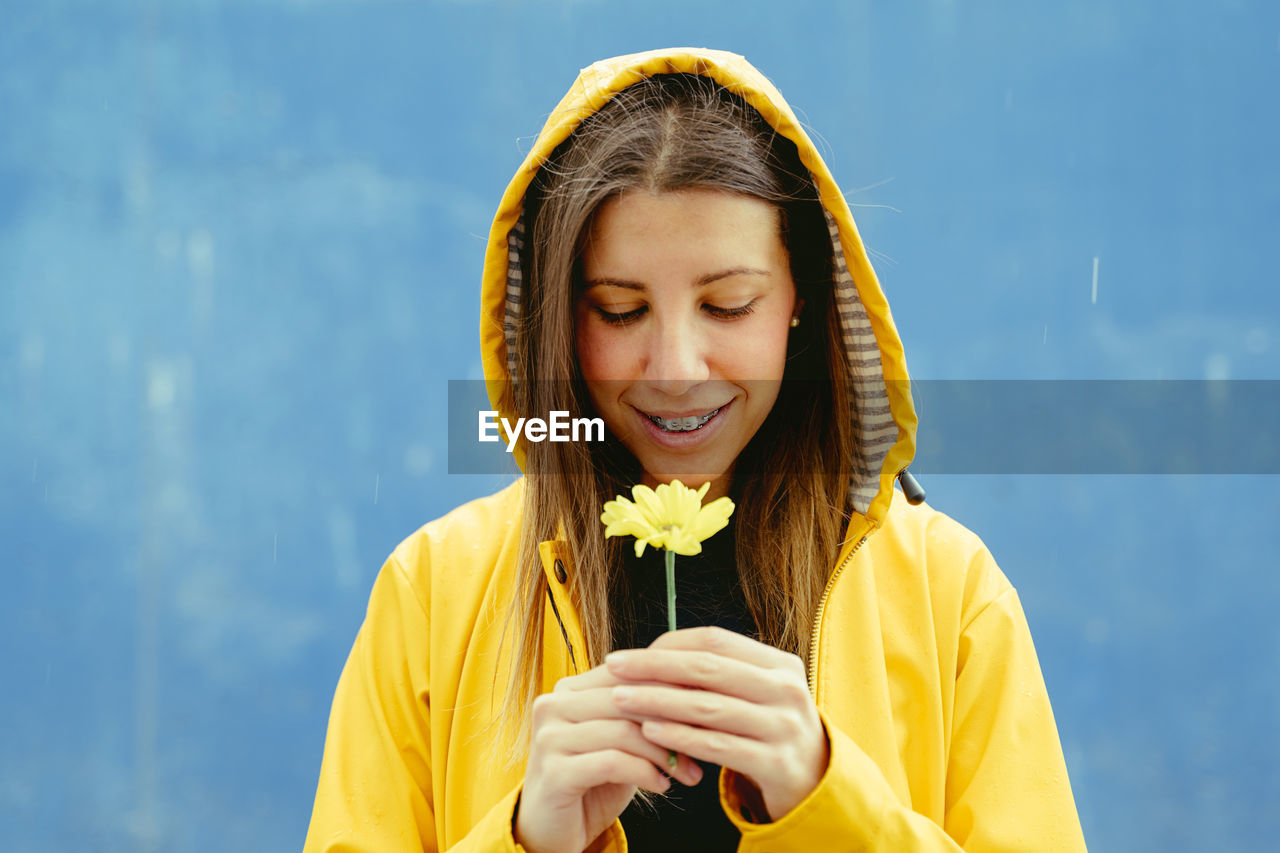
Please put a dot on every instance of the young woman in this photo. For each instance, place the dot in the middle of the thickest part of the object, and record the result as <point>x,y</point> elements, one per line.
<point>675,258</point>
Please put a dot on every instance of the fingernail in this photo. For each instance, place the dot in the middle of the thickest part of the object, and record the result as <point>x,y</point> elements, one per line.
<point>616,658</point>
<point>621,694</point>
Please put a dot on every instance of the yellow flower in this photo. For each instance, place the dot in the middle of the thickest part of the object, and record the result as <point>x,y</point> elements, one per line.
<point>671,517</point>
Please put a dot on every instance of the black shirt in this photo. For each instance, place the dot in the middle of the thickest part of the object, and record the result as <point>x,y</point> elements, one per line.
<point>708,592</point>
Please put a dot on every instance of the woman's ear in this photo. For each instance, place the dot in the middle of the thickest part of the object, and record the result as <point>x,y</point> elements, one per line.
<point>795,313</point>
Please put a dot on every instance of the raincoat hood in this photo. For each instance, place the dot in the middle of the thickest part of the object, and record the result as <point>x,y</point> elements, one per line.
<point>886,416</point>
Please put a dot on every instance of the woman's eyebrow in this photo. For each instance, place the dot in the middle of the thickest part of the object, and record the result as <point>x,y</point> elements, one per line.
<point>716,276</point>
<point>614,282</point>
<point>700,281</point>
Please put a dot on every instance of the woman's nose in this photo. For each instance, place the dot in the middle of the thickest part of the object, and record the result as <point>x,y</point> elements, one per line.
<point>677,358</point>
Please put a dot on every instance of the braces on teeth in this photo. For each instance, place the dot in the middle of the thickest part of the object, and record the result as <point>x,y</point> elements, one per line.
<point>683,424</point>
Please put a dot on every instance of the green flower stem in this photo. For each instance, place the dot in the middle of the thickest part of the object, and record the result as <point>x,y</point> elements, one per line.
<point>671,590</point>
<point>672,759</point>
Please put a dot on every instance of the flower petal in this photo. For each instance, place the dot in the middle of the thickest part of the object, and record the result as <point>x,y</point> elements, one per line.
<point>683,542</point>
<point>649,504</point>
<point>623,518</point>
<point>712,518</point>
<point>680,504</point>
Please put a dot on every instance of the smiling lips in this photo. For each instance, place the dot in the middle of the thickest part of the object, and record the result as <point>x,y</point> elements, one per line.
<point>681,424</point>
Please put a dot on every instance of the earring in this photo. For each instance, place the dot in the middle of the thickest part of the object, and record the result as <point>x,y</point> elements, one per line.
<point>795,321</point>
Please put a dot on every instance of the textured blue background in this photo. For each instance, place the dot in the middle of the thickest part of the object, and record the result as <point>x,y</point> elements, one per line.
<point>239,252</point>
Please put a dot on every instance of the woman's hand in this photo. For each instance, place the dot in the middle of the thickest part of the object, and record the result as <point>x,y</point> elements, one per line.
<point>587,757</point>
<point>727,699</point>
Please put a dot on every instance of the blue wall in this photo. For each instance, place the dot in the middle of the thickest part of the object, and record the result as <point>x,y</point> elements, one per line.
<point>239,252</point>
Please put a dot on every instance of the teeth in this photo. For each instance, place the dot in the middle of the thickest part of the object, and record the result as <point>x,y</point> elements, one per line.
<point>683,424</point>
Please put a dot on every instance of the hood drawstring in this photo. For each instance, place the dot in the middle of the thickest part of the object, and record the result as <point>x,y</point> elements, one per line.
<point>911,488</point>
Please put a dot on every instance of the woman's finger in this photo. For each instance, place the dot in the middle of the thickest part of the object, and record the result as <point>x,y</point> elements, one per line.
<point>704,709</point>
<point>728,644</point>
<point>607,767</point>
<point>743,755</point>
<point>706,671</point>
<point>579,706</point>
<point>617,734</point>
<point>599,676</point>
<point>784,772</point>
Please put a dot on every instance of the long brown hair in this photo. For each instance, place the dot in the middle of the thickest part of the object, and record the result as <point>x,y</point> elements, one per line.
<point>667,133</point>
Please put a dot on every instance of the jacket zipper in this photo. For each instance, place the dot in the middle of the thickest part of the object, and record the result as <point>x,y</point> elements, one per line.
<point>822,605</point>
<point>817,619</point>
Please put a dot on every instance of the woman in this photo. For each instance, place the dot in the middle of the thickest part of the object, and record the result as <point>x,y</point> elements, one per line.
<point>675,258</point>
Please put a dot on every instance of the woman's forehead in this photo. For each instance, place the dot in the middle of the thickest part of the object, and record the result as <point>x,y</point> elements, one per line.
<point>717,232</point>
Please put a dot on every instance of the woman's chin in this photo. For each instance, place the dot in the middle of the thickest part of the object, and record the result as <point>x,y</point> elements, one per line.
<point>694,480</point>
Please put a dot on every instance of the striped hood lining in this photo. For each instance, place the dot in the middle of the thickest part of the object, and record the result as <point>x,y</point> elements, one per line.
<point>881,401</point>
<point>872,412</point>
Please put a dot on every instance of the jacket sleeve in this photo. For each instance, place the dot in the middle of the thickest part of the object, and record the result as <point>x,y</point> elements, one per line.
<point>1006,780</point>
<point>375,790</point>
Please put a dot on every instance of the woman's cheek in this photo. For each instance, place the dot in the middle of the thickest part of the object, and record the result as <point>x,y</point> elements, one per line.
<point>604,355</point>
<point>758,353</point>
<point>590,351</point>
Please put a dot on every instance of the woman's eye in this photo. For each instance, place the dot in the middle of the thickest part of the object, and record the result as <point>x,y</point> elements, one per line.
<point>730,313</point>
<point>620,318</point>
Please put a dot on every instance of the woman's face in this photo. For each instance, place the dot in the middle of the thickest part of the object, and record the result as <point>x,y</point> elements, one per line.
<point>682,327</point>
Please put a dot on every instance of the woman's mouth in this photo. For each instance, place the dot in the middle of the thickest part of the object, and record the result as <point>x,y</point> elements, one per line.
<point>680,433</point>
<point>685,424</point>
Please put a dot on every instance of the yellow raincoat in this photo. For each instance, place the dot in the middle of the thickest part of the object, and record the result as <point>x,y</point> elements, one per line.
<point>922,666</point>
